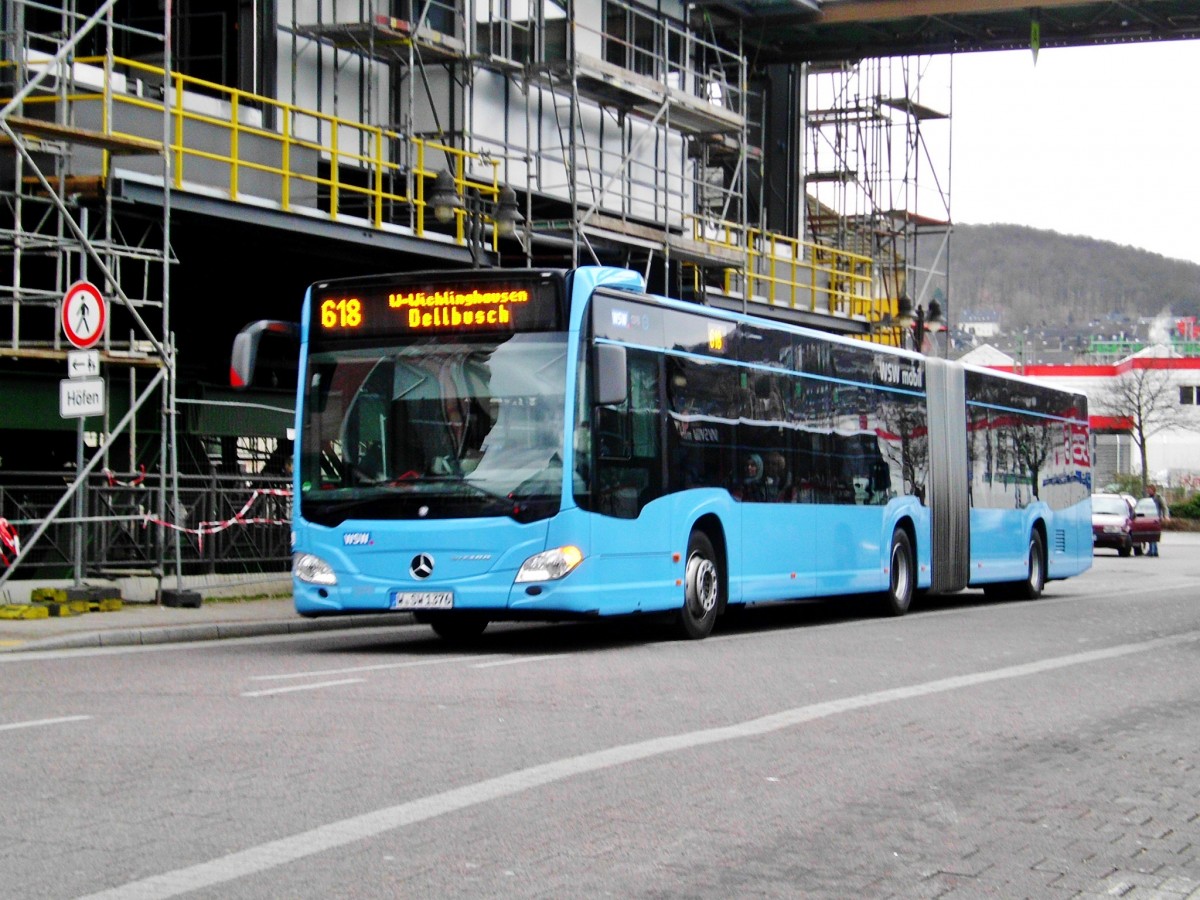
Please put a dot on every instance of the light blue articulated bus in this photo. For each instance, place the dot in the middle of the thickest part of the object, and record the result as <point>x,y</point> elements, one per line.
<point>484,445</point>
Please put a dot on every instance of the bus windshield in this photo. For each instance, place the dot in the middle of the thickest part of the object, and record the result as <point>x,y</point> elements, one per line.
<point>438,427</point>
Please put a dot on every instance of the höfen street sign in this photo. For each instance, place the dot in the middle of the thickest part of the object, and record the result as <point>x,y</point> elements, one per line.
<point>79,397</point>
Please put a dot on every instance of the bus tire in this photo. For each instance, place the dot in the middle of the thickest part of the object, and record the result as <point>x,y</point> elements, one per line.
<point>902,575</point>
<point>457,627</point>
<point>703,586</point>
<point>1035,572</point>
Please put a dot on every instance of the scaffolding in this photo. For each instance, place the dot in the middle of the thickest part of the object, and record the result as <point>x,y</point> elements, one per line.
<point>60,231</point>
<point>627,133</point>
<point>661,165</point>
<point>877,172</point>
<point>631,137</point>
<point>395,49</point>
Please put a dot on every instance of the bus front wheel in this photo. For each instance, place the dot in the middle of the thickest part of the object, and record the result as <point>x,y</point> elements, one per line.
<point>702,588</point>
<point>902,575</point>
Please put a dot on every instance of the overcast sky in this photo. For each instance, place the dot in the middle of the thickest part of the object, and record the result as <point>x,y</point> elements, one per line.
<point>1095,141</point>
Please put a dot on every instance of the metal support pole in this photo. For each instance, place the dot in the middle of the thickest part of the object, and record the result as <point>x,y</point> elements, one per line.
<point>474,215</point>
<point>77,530</point>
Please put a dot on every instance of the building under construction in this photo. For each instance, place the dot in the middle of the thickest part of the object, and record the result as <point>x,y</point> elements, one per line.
<point>191,170</point>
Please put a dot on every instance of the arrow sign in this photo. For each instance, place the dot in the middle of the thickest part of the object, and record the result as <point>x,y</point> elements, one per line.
<point>83,363</point>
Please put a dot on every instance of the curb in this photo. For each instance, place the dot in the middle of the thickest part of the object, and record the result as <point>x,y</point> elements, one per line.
<point>215,631</point>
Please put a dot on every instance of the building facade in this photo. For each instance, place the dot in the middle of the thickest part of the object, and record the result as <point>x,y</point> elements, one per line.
<point>196,168</point>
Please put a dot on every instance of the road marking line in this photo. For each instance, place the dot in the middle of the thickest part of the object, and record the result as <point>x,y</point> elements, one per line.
<point>302,687</point>
<point>255,860</point>
<point>35,723</point>
<point>517,661</point>
<point>377,667</point>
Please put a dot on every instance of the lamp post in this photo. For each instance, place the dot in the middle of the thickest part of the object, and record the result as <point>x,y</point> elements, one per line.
<point>444,198</point>
<point>507,218</point>
<point>508,214</point>
<point>448,204</point>
<point>921,322</point>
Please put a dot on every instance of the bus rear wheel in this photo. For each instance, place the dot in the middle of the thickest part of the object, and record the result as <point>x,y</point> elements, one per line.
<point>902,575</point>
<point>1030,587</point>
<point>702,588</point>
<point>1035,573</point>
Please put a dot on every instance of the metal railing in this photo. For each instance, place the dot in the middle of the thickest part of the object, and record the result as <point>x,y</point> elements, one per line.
<point>789,272</point>
<point>120,534</point>
<point>252,147</point>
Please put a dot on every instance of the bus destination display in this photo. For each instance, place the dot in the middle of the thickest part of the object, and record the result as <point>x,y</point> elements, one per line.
<point>377,309</point>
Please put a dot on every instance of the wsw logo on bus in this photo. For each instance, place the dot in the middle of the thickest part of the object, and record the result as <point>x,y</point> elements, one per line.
<point>698,434</point>
<point>899,373</point>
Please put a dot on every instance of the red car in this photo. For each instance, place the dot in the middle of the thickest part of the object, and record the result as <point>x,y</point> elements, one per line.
<point>1147,525</point>
<point>1112,523</point>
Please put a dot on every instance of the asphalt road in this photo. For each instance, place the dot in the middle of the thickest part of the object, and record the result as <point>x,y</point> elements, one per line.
<point>1042,749</point>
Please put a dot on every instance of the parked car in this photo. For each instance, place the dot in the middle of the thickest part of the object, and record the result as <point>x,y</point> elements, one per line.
<point>1112,523</point>
<point>1147,524</point>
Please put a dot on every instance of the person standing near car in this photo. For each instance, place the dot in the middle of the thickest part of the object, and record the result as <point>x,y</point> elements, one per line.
<point>1164,515</point>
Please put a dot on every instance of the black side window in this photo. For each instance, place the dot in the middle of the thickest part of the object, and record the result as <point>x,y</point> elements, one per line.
<point>628,442</point>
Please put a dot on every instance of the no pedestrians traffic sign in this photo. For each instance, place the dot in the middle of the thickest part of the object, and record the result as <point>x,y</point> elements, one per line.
<point>83,314</point>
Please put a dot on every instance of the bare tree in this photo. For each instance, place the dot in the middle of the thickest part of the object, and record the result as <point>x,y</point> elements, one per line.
<point>1147,398</point>
<point>1033,444</point>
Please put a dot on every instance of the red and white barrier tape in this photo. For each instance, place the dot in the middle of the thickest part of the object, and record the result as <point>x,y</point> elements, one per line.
<point>114,482</point>
<point>10,542</point>
<point>238,518</point>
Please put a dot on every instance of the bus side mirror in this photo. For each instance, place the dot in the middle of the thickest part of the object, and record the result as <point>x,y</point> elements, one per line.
<point>612,379</point>
<point>244,356</point>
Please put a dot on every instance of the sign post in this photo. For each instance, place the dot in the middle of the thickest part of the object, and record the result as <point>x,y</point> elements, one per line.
<point>84,313</point>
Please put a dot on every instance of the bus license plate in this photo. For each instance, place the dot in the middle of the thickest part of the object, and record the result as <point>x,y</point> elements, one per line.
<point>423,600</point>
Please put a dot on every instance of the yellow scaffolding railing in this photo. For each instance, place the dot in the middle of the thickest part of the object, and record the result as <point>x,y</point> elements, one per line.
<point>802,276</point>
<point>222,137</point>
<point>371,172</point>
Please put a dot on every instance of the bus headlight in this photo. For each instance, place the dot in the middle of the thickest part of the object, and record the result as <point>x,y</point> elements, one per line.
<point>550,564</point>
<point>313,569</point>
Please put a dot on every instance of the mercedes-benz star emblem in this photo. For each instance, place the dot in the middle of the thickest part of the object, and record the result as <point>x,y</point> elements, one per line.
<point>421,566</point>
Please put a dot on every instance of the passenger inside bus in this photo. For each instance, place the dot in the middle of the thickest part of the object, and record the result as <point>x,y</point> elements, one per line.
<point>777,483</point>
<point>750,486</point>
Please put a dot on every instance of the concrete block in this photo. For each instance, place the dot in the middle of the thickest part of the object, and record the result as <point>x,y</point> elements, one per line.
<point>182,598</point>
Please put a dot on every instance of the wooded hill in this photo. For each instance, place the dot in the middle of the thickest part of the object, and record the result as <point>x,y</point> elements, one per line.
<point>1037,278</point>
